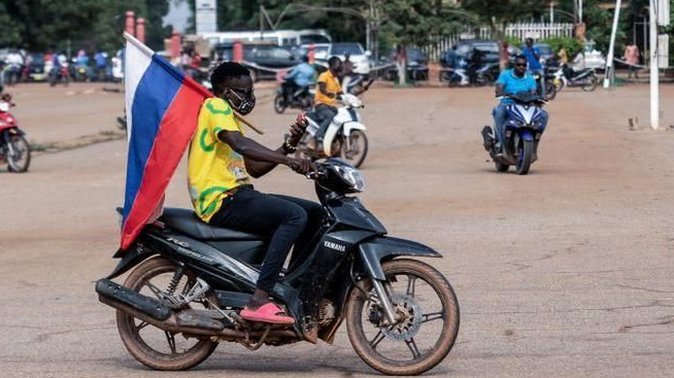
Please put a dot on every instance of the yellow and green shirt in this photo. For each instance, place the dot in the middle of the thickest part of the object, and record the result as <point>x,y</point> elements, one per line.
<point>213,167</point>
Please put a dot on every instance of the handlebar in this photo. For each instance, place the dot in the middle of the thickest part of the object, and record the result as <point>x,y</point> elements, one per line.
<point>318,173</point>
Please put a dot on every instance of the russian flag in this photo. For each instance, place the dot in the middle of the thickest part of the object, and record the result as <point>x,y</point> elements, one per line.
<point>162,108</point>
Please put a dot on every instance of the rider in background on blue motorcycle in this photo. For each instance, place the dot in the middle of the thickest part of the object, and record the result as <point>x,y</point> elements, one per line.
<point>510,82</point>
<point>300,77</point>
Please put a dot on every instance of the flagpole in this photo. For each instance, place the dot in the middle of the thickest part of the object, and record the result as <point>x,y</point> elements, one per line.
<point>247,123</point>
<point>148,51</point>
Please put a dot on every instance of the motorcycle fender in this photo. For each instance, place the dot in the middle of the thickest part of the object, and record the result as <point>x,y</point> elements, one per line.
<point>348,126</point>
<point>329,136</point>
<point>15,131</point>
<point>527,135</point>
<point>373,252</point>
<point>129,259</point>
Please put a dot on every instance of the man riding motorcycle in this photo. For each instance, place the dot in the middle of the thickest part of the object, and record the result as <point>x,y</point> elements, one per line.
<point>299,78</point>
<point>220,164</point>
<point>325,100</point>
<point>509,82</point>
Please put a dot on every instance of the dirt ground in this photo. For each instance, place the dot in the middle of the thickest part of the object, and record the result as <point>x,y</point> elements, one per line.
<point>564,272</point>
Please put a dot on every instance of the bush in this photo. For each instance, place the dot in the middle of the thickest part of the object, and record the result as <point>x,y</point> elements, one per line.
<point>571,45</point>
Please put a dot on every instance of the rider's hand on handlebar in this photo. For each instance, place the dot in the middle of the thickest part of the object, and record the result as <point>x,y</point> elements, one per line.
<point>301,166</point>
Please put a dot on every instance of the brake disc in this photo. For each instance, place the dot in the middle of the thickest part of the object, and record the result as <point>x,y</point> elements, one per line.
<point>409,325</point>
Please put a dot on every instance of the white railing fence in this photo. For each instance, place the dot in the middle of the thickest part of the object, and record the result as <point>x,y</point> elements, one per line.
<point>520,31</point>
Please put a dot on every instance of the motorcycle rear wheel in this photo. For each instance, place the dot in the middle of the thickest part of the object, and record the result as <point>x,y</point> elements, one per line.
<point>589,84</point>
<point>500,167</point>
<point>19,160</point>
<point>279,104</point>
<point>144,347</point>
<point>402,277</point>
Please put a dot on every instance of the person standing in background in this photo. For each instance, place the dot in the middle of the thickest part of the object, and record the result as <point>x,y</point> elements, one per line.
<point>631,57</point>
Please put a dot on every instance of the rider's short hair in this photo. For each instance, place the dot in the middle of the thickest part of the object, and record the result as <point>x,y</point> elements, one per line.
<point>224,72</point>
<point>333,60</point>
<point>520,56</point>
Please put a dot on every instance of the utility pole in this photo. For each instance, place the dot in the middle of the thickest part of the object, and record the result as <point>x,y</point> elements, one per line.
<point>653,35</point>
<point>609,58</point>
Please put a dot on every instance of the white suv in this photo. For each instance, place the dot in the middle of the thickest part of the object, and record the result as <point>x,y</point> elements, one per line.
<point>357,55</point>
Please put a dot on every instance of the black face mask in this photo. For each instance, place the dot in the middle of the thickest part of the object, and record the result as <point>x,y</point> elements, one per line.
<point>243,104</point>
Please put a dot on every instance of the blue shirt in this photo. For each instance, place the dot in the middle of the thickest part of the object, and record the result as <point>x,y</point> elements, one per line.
<point>513,84</point>
<point>531,53</point>
<point>100,59</point>
<point>303,74</point>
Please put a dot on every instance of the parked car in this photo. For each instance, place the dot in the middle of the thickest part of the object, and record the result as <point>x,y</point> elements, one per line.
<point>35,71</point>
<point>490,48</point>
<point>321,50</point>
<point>416,68</point>
<point>358,55</point>
<point>590,58</point>
<point>262,59</point>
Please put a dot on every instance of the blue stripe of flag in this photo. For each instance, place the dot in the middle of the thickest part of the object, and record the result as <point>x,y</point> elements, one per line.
<point>155,92</point>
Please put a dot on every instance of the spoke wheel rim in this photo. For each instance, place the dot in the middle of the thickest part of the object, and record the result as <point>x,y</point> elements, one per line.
<point>408,340</point>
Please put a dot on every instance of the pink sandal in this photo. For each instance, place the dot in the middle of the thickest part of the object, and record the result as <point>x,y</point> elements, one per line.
<point>268,313</point>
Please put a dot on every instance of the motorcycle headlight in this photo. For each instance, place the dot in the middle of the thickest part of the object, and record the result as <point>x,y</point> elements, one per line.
<point>352,177</point>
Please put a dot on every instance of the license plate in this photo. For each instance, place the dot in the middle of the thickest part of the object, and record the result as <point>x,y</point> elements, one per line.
<point>38,76</point>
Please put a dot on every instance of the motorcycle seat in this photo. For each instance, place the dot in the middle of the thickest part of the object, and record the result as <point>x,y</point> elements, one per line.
<point>187,222</point>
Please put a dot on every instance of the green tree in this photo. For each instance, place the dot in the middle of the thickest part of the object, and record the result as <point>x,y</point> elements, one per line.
<point>40,24</point>
<point>10,29</point>
<point>499,13</point>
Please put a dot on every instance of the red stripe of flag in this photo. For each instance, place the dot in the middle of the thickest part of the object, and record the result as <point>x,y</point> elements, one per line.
<point>175,132</point>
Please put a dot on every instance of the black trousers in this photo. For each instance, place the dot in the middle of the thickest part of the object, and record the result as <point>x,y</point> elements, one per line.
<point>283,220</point>
<point>326,113</point>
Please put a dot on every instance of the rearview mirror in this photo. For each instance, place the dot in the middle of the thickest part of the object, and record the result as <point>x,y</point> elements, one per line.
<point>368,53</point>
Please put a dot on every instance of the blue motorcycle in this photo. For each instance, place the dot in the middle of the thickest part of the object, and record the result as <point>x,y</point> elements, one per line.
<point>523,129</point>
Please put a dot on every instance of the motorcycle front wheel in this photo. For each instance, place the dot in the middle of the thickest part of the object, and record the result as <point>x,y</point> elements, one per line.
<point>18,159</point>
<point>152,346</point>
<point>550,90</point>
<point>356,150</point>
<point>525,153</point>
<point>279,104</point>
<point>428,320</point>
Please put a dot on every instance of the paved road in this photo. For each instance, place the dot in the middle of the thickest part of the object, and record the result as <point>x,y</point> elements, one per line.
<point>565,272</point>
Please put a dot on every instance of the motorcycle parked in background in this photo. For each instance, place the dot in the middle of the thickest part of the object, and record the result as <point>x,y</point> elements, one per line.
<point>547,80</point>
<point>345,136</point>
<point>485,74</point>
<point>59,75</point>
<point>566,76</point>
<point>191,280</point>
<point>523,131</point>
<point>301,98</point>
<point>14,148</point>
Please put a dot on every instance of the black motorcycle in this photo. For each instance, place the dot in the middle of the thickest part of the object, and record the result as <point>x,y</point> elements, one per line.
<point>547,79</point>
<point>191,280</point>
<point>301,98</point>
<point>566,76</point>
